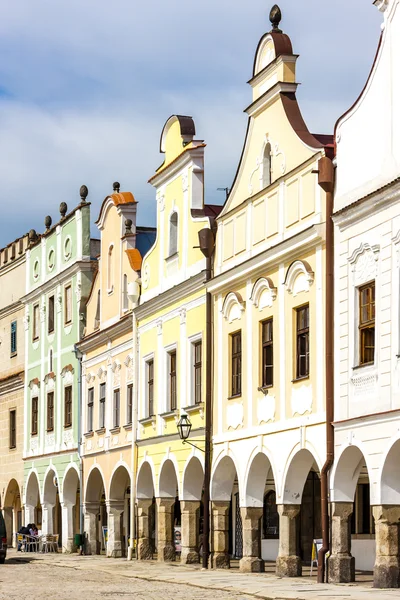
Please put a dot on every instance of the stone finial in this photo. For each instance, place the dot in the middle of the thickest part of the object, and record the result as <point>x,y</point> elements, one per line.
<point>116,187</point>
<point>47,222</point>
<point>32,236</point>
<point>63,209</point>
<point>83,192</point>
<point>128,226</point>
<point>275,16</point>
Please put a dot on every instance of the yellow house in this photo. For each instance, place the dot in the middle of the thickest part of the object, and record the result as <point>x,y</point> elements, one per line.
<point>108,377</point>
<point>269,292</point>
<point>171,324</point>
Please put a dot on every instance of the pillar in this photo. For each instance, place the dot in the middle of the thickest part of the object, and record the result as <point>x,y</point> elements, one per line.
<point>220,535</point>
<point>68,529</point>
<point>114,544</point>
<point>9,522</point>
<point>190,531</point>
<point>29,514</point>
<point>47,518</point>
<point>387,562</point>
<point>288,563</point>
<point>341,564</point>
<point>251,561</point>
<point>145,546</point>
<point>91,512</point>
<point>166,544</point>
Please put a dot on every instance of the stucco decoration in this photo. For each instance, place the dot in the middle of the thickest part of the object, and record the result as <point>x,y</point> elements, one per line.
<point>128,362</point>
<point>34,385</point>
<point>78,290</point>
<point>266,409</point>
<point>299,277</point>
<point>396,242</point>
<point>34,444</point>
<point>364,261</point>
<point>67,248</point>
<point>185,182</point>
<point>42,313</point>
<point>68,437</point>
<point>263,293</point>
<point>146,277</point>
<point>59,303</point>
<point>26,320</point>
<point>234,415</point>
<point>49,381</point>
<point>161,201</point>
<point>116,369</point>
<point>88,444</point>
<point>90,377</point>
<point>50,439</point>
<point>233,307</point>
<point>159,327</point>
<point>102,373</point>
<point>68,375</point>
<point>364,383</point>
<point>302,398</point>
<point>381,5</point>
<point>182,314</point>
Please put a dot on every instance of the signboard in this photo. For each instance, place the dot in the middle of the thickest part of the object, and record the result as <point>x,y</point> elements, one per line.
<point>105,536</point>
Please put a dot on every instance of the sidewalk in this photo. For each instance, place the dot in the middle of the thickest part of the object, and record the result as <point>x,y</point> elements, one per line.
<point>266,586</point>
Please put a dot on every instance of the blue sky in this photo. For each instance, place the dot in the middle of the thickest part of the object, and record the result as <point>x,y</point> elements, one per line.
<point>85,89</point>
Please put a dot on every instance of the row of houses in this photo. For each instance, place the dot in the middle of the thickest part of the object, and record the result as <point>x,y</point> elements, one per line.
<point>271,325</point>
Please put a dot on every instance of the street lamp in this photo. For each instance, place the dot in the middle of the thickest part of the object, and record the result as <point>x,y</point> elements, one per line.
<point>184,428</point>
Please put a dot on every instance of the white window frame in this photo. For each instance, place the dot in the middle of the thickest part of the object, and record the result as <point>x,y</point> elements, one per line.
<point>168,350</point>
<point>145,360</point>
<point>192,340</point>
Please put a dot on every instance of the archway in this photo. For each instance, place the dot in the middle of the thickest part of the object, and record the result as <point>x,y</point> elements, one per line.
<point>33,507</point>
<point>146,512</point>
<point>12,511</point>
<point>95,513</point>
<point>71,510</point>
<point>119,512</point>
<point>168,513</point>
<point>52,520</point>
<point>192,511</point>
<point>227,526</point>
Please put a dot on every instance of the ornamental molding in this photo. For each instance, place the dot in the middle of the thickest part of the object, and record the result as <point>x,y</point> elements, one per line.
<point>301,400</point>
<point>42,311</point>
<point>263,293</point>
<point>182,315</point>
<point>185,182</point>
<point>266,407</point>
<point>381,5</point>
<point>233,307</point>
<point>90,377</point>
<point>364,382</point>
<point>34,384</point>
<point>129,360</point>
<point>59,303</point>
<point>234,415</point>
<point>102,373</point>
<point>25,321</point>
<point>49,379</point>
<point>299,277</point>
<point>364,261</point>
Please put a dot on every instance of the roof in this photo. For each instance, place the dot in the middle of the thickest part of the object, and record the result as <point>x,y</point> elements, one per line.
<point>122,198</point>
<point>145,238</point>
<point>135,258</point>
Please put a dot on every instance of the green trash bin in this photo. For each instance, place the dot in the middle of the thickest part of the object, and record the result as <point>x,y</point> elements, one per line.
<point>78,540</point>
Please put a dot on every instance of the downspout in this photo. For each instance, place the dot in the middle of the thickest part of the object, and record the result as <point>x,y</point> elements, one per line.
<point>207,243</point>
<point>326,181</point>
<point>135,399</point>
<point>79,356</point>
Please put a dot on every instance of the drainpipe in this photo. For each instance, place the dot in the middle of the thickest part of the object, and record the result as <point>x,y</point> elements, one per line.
<point>207,244</point>
<point>326,181</point>
<point>79,357</point>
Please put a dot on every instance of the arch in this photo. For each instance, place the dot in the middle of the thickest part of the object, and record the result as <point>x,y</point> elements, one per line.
<point>95,486</point>
<point>12,494</point>
<point>50,485</point>
<point>168,486</point>
<point>193,479</point>
<point>299,277</point>
<point>263,293</point>
<point>187,129</point>
<point>223,478</point>
<point>145,488</point>
<point>120,481</point>
<point>266,166</point>
<point>70,485</point>
<point>390,480</point>
<point>296,474</point>
<point>173,233</point>
<point>110,268</point>
<point>259,469</point>
<point>32,489</point>
<point>233,307</point>
<point>346,474</point>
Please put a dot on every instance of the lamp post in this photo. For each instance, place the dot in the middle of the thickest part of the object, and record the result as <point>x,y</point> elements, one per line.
<point>184,426</point>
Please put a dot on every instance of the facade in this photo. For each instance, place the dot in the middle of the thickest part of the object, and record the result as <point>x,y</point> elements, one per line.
<point>269,430</point>
<point>12,360</point>
<point>365,488</point>
<point>59,271</point>
<point>171,324</point>
<point>108,376</point>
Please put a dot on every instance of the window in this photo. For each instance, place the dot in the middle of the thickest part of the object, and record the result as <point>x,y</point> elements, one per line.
<point>150,388</point>
<point>68,406</point>
<point>116,408</point>
<point>50,360</point>
<point>50,411</point>
<point>270,516</point>
<point>14,337</point>
<point>125,293</point>
<point>267,353</point>
<point>13,428</point>
<point>102,407</point>
<point>197,372</point>
<point>172,380</point>
<point>68,304</point>
<point>110,270</point>
<point>267,166</point>
<point>236,364</point>
<point>50,320</point>
<point>367,323</point>
<point>303,342</point>
<point>90,410</point>
<point>35,332</point>
<point>173,234</point>
<point>129,404</point>
<point>34,416</point>
<point>97,317</point>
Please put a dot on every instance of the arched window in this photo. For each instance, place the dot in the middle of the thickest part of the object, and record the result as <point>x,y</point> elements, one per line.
<point>97,317</point>
<point>267,166</point>
<point>110,269</point>
<point>270,516</point>
<point>173,234</point>
<point>125,293</point>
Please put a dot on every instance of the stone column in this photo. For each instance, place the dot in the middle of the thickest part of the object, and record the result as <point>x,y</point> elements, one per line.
<point>341,564</point>
<point>166,545</point>
<point>67,515</point>
<point>251,561</point>
<point>114,544</point>
<point>91,512</point>
<point>220,535</point>
<point>190,531</point>
<point>387,533</point>
<point>288,563</point>
<point>47,516</point>
<point>145,546</point>
<point>9,522</point>
<point>29,514</point>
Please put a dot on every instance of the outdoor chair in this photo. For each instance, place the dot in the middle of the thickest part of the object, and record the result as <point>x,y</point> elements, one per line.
<point>49,542</point>
<point>28,543</point>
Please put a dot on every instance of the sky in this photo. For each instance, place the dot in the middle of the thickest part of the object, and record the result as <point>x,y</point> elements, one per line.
<point>87,85</point>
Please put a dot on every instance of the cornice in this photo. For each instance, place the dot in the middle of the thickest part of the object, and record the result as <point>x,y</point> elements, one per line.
<point>10,309</point>
<point>269,95</point>
<point>13,264</point>
<point>100,336</point>
<point>271,67</point>
<point>59,278</point>
<point>177,165</point>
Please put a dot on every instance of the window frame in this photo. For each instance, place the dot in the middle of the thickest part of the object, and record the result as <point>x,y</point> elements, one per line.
<point>50,416</point>
<point>172,380</point>
<point>129,404</point>
<point>68,406</point>
<point>267,345</point>
<point>51,314</point>
<point>236,365</point>
<point>197,367</point>
<point>12,427</point>
<point>13,338</point>
<point>150,387</point>
<point>67,290</point>
<point>36,323</point>
<point>102,405</point>
<point>90,410</point>
<point>367,325</point>
<point>34,413</point>
<point>173,234</point>
<point>116,408</point>
<point>300,333</point>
